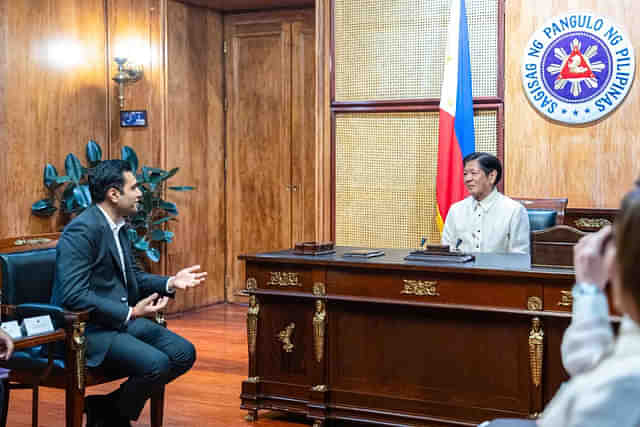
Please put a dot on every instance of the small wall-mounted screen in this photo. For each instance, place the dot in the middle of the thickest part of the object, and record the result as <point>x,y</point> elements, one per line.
<point>133,118</point>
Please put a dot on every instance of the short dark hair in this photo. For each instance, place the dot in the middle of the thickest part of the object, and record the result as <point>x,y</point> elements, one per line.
<point>107,174</point>
<point>627,237</point>
<point>488,162</point>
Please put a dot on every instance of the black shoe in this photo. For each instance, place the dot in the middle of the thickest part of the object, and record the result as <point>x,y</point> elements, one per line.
<point>121,422</point>
<point>96,408</point>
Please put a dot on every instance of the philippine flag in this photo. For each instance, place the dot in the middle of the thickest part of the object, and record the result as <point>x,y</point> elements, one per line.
<point>456,138</point>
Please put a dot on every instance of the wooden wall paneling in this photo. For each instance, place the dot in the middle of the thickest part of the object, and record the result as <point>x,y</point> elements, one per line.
<point>303,147</point>
<point>134,30</point>
<point>195,144</point>
<point>592,165</point>
<point>52,77</point>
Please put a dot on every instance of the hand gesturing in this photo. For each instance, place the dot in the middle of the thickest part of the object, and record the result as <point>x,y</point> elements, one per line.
<point>188,278</point>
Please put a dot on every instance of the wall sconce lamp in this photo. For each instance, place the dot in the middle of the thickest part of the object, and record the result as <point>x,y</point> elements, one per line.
<point>125,75</point>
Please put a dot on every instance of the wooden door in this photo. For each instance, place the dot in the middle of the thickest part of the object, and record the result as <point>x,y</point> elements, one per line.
<point>262,187</point>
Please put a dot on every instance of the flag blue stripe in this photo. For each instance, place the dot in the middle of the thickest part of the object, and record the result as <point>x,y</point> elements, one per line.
<point>463,124</point>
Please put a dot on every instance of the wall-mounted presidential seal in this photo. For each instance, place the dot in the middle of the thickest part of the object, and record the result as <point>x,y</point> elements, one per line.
<point>578,67</point>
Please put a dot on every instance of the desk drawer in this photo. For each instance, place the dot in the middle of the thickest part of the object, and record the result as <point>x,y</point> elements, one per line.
<point>441,288</point>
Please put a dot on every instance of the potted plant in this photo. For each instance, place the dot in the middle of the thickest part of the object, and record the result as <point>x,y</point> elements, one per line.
<point>71,192</point>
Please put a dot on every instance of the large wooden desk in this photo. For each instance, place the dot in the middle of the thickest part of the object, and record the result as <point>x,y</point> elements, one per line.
<point>404,343</point>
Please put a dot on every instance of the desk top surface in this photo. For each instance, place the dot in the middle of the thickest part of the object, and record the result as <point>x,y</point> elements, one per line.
<point>394,259</point>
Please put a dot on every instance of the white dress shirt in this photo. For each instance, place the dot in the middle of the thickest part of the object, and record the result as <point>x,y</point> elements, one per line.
<point>605,373</point>
<point>495,224</point>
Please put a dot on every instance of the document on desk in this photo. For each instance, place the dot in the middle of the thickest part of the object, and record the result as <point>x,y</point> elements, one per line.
<point>363,253</point>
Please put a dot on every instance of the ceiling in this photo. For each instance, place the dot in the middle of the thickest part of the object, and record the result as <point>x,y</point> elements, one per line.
<point>238,5</point>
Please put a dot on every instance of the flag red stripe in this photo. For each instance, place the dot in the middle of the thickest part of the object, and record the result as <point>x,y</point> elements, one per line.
<point>450,182</point>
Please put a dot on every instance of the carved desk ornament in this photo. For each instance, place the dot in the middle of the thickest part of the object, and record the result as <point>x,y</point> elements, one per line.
<point>438,253</point>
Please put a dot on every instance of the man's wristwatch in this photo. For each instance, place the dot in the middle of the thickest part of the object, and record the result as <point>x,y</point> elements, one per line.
<point>583,288</point>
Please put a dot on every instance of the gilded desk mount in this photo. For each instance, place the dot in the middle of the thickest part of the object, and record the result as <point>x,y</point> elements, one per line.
<point>536,347</point>
<point>420,288</point>
<point>252,323</point>
<point>284,279</point>
<point>319,328</point>
<point>284,336</point>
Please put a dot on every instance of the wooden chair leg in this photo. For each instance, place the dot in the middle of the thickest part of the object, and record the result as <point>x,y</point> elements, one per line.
<point>34,406</point>
<point>157,407</point>
<point>4,392</point>
<point>74,406</point>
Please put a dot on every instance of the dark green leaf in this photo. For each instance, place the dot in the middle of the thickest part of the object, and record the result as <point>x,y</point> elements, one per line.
<point>50,175</point>
<point>62,179</point>
<point>169,207</point>
<point>43,208</point>
<point>82,196</point>
<point>157,171</point>
<point>73,167</point>
<point>147,202</point>
<point>132,234</point>
<point>94,153</point>
<point>162,236</point>
<point>67,198</point>
<point>157,235</point>
<point>165,219</point>
<point>183,188</point>
<point>172,172</point>
<point>153,254</point>
<point>145,174</point>
<point>130,156</point>
<point>141,244</point>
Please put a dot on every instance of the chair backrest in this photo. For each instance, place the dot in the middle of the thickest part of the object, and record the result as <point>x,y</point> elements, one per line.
<point>558,205</point>
<point>27,277</point>
<point>554,246</point>
<point>540,219</point>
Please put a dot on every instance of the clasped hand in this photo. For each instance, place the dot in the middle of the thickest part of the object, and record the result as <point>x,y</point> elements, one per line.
<point>149,305</point>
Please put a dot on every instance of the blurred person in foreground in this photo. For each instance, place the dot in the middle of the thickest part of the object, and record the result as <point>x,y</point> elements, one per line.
<point>605,370</point>
<point>6,350</point>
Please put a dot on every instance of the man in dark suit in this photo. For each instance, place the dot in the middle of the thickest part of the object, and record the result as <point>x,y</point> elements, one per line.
<point>95,270</point>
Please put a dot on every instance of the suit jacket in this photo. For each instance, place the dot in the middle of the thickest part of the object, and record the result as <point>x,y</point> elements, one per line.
<point>89,276</point>
<point>605,383</point>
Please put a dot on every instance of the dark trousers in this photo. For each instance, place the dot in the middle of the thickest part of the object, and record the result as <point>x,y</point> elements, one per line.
<point>150,355</point>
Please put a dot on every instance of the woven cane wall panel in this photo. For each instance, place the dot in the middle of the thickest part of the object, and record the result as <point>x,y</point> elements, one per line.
<point>394,49</point>
<point>386,174</point>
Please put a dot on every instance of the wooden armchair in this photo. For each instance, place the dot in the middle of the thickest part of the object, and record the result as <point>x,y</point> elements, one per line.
<point>539,211</point>
<point>27,282</point>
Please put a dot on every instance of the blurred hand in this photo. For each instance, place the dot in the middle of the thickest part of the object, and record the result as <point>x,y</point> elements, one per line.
<point>6,345</point>
<point>187,278</point>
<point>589,259</point>
<point>149,305</point>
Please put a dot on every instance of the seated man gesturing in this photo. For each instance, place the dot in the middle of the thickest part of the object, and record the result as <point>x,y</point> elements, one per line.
<point>95,270</point>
